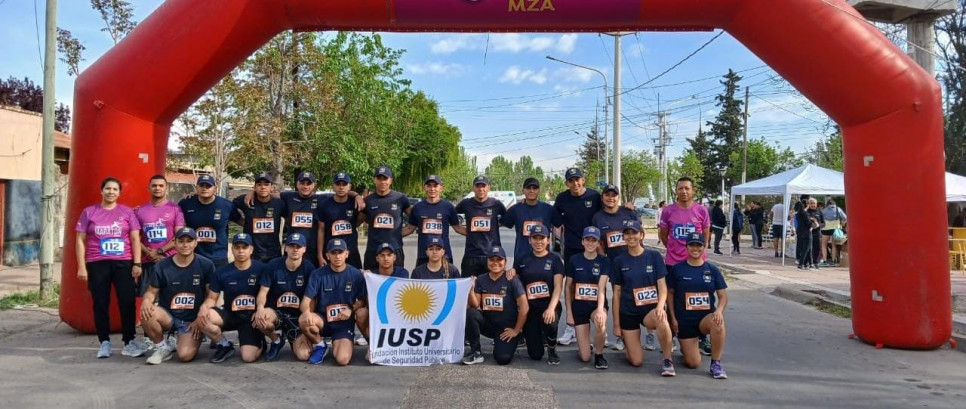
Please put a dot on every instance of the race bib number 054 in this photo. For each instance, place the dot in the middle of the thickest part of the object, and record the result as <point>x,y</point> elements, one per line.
<point>697,301</point>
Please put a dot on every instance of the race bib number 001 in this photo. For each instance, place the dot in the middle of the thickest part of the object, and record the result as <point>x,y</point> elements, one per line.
<point>183,301</point>
<point>384,221</point>
<point>262,225</point>
<point>480,224</point>
<point>302,219</point>
<point>492,302</point>
<point>206,235</point>
<point>645,296</point>
<point>243,303</point>
<point>432,226</point>
<point>537,290</point>
<point>333,311</point>
<point>585,292</point>
<point>697,301</point>
<point>112,247</point>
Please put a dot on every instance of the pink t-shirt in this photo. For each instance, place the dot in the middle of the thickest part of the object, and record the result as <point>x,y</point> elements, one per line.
<point>679,222</point>
<point>108,232</point>
<point>158,224</point>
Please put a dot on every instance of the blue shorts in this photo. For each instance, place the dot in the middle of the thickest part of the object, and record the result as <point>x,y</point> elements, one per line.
<point>340,330</point>
<point>777,231</point>
<point>690,327</point>
<point>178,325</point>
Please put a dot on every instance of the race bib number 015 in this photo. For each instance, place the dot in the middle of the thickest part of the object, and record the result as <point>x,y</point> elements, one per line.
<point>537,290</point>
<point>112,247</point>
<point>492,302</point>
<point>585,292</point>
<point>697,301</point>
<point>645,296</point>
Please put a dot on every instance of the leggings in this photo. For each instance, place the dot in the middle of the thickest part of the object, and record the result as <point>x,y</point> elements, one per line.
<point>803,247</point>
<point>735,240</point>
<point>101,275</point>
<point>718,234</point>
<point>537,333</point>
<point>476,325</point>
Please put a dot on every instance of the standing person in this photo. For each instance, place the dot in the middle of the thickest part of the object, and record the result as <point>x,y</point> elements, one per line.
<point>526,214</point>
<point>281,288</point>
<point>640,298</point>
<point>334,303</point>
<point>159,219</point>
<point>694,286</point>
<point>575,208</point>
<point>482,229</point>
<point>610,220</point>
<point>338,218</point>
<point>384,212</point>
<point>835,218</point>
<point>179,285</point>
<point>301,208</point>
<point>386,259</point>
<point>737,225</point>
<point>587,276</point>
<point>718,223</point>
<point>238,284</point>
<point>437,266</point>
<point>497,308</point>
<point>818,223</point>
<point>262,219</point>
<point>541,273</point>
<point>208,214</point>
<point>108,247</point>
<point>777,215</point>
<point>680,218</point>
<point>803,242</point>
<point>432,218</point>
<point>756,218</point>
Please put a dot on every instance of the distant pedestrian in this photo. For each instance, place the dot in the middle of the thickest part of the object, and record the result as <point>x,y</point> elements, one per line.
<point>835,218</point>
<point>803,242</point>
<point>718,224</point>
<point>777,215</point>
<point>737,225</point>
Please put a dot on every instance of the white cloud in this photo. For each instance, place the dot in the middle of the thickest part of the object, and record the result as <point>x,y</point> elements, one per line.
<point>575,74</point>
<point>517,75</point>
<point>567,43</point>
<point>437,68</point>
<point>455,42</point>
<point>509,42</point>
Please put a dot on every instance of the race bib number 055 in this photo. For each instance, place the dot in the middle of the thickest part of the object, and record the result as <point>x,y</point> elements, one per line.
<point>302,219</point>
<point>645,296</point>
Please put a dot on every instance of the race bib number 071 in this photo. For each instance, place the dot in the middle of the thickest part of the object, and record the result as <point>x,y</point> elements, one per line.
<point>333,312</point>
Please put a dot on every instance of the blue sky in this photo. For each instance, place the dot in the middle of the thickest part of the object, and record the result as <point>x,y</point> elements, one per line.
<point>501,91</point>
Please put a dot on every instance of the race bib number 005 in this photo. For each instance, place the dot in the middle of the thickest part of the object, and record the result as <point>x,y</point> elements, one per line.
<point>537,290</point>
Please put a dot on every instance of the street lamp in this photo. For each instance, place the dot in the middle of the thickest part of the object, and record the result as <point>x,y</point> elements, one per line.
<point>722,171</point>
<point>606,102</point>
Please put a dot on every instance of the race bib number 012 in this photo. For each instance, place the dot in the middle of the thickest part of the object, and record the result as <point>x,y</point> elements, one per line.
<point>645,296</point>
<point>262,225</point>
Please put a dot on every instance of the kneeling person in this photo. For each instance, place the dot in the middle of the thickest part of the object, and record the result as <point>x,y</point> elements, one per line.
<point>334,303</point>
<point>640,297</point>
<point>277,304</point>
<point>178,284</point>
<point>587,276</point>
<point>541,273</point>
<point>693,287</point>
<point>239,283</point>
<point>498,309</point>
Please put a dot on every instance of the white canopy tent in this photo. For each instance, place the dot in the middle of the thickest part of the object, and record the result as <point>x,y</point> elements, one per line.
<point>808,179</point>
<point>955,188</point>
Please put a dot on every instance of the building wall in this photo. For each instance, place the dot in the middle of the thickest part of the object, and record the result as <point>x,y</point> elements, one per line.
<point>21,228</point>
<point>20,149</point>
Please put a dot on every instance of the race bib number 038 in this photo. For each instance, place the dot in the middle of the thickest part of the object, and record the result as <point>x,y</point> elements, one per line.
<point>183,301</point>
<point>537,290</point>
<point>697,301</point>
<point>243,303</point>
<point>302,219</point>
<point>645,296</point>
<point>527,225</point>
<point>112,247</point>
<point>206,235</point>
<point>432,226</point>
<point>333,311</point>
<point>262,225</point>
<point>492,302</point>
<point>585,292</point>
<point>480,224</point>
<point>384,221</point>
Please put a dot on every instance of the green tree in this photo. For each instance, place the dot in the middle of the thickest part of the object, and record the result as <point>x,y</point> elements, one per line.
<point>687,165</point>
<point>951,47</point>
<point>827,152</point>
<point>725,133</point>
<point>458,176</point>
<point>500,173</point>
<point>118,16</point>
<point>764,160</point>
<point>639,174</point>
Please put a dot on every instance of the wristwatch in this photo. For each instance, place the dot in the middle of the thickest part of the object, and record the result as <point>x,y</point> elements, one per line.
<point>136,264</point>
<point>160,251</point>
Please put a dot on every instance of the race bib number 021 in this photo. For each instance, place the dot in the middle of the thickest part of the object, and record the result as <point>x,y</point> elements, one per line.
<point>585,292</point>
<point>697,301</point>
<point>645,296</point>
<point>384,221</point>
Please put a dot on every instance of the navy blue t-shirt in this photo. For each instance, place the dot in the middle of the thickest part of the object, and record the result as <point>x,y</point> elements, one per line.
<point>611,227</point>
<point>300,216</point>
<point>498,299</point>
<point>263,220</point>
<point>181,290</point>
<point>482,224</point>
<point>210,222</point>
<point>285,287</point>
<point>422,272</point>
<point>536,274</point>
<point>340,222</point>
<point>239,287</point>
<point>334,292</point>
<point>576,213</point>
<point>694,289</point>
<point>638,278</point>
<point>433,218</point>
<point>521,217</point>
<point>385,217</point>
<point>585,275</point>
<point>397,272</point>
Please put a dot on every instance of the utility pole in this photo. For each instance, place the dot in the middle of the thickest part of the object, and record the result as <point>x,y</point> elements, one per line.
<point>617,110</point>
<point>660,150</point>
<point>47,166</point>
<point>744,143</point>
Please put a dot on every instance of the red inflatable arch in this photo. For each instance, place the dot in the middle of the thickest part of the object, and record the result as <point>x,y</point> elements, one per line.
<point>888,108</point>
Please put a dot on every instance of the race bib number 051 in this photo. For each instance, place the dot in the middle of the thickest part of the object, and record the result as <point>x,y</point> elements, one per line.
<point>480,224</point>
<point>645,296</point>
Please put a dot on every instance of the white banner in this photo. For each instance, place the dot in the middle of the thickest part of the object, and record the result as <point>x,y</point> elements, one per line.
<point>416,322</point>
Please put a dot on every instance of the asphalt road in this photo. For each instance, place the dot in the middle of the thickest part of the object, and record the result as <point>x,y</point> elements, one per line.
<point>779,354</point>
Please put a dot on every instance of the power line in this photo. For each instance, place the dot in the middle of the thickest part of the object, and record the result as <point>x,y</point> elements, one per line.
<point>676,64</point>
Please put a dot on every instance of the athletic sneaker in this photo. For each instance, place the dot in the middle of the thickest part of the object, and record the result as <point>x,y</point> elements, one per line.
<point>132,349</point>
<point>568,337</point>
<point>361,341</point>
<point>704,345</point>
<point>619,344</point>
<point>552,357</point>
<point>716,371</point>
<point>473,358</point>
<point>649,342</point>
<point>674,344</point>
<point>668,368</point>
<point>160,355</point>
<point>274,349</point>
<point>318,354</point>
<point>105,351</point>
<point>222,353</point>
<point>600,362</point>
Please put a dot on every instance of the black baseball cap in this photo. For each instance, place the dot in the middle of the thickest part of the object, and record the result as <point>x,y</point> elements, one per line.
<point>574,173</point>
<point>263,176</point>
<point>185,232</point>
<point>341,177</point>
<point>384,171</point>
<point>481,180</point>
<point>206,180</point>
<point>531,182</point>
<point>611,188</point>
<point>433,178</point>
<point>309,176</point>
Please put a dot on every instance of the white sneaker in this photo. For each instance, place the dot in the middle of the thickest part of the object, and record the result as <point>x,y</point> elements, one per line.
<point>105,350</point>
<point>172,341</point>
<point>132,349</point>
<point>568,337</point>
<point>160,355</point>
<point>619,344</point>
<point>649,342</point>
<point>361,341</point>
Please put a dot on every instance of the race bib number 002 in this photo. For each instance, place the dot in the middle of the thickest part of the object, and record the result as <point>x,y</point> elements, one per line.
<point>645,296</point>
<point>183,301</point>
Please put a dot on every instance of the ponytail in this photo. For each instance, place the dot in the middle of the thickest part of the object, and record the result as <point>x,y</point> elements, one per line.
<point>445,267</point>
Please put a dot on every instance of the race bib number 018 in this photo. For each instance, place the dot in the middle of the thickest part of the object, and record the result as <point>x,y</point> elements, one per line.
<point>645,296</point>
<point>333,312</point>
<point>243,303</point>
<point>480,224</point>
<point>183,301</point>
<point>112,247</point>
<point>206,235</point>
<point>585,292</point>
<point>492,302</point>
<point>341,228</point>
<point>432,226</point>
<point>384,221</point>
<point>262,225</point>
<point>537,290</point>
<point>302,219</point>
<point>697,301</point>
<point>288,300</point>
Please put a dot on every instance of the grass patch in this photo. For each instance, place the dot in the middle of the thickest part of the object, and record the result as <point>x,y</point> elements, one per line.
<point>836,310</point>
<point>30,298</point>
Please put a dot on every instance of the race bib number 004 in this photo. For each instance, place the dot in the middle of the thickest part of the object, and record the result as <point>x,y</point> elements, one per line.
<point>645,296</point>
<point>243,303</point>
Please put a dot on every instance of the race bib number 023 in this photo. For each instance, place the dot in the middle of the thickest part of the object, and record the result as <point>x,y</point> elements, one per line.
<point>585,292</point>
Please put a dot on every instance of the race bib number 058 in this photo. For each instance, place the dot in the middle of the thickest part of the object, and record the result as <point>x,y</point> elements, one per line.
<point>645,296</point>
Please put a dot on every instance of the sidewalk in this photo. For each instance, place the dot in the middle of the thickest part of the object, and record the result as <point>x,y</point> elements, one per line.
<point>23,278</point>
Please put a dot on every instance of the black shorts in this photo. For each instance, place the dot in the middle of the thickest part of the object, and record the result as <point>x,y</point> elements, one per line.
<point>288,324</point>
<point>828,232</point>
<point>777,231</point>
<point>690,327</point>
<point>582,316</point>
<point>247,335</point>
<point>340,329</point>
<point>631,322</point>
<point>472,266</point>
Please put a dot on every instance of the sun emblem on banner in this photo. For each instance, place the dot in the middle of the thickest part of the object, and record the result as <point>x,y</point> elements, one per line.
<point>415,301</point>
